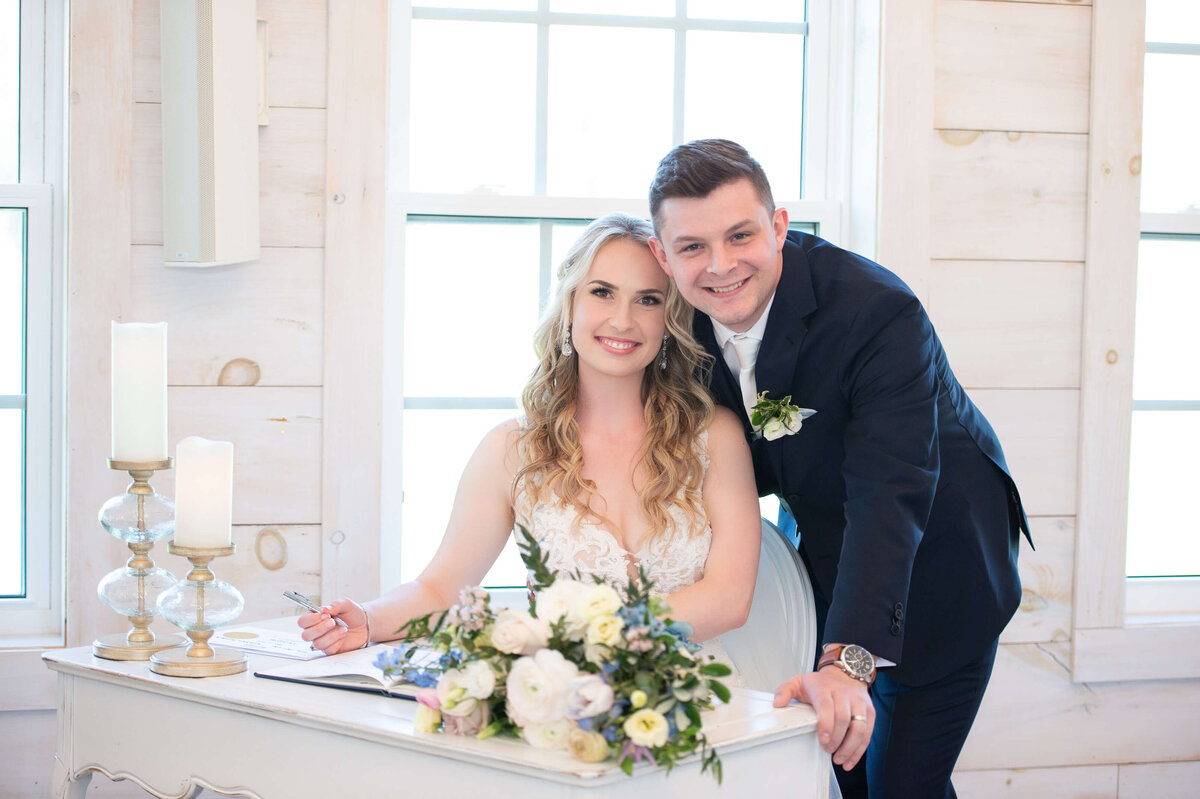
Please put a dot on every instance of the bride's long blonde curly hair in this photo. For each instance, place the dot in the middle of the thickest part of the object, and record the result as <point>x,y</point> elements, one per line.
<point>676,404</point>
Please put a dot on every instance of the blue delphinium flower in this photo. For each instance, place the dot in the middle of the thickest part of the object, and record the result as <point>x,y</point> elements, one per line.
<point>389,659</point>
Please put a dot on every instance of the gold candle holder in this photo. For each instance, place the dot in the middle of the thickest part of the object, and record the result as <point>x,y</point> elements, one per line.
<point>139,517</point>
<point>199,604</point>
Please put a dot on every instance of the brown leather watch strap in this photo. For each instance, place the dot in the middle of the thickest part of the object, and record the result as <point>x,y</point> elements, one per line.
<point>830,657</point>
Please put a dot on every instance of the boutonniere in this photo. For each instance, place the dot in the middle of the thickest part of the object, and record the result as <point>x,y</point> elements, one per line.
<point>774,419</point>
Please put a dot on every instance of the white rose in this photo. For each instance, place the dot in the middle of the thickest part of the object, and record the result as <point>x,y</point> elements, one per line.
<point>452,694</point>
<point>518,633</point>
<point>773,429</point>
<point>479,679</point>
<point>538,688</point>
<point>589,696</point>
<point>558,602</point>
<point>551,735</point>
<point>647,728</point>
<point>794,423</point>
<point>597,600</point>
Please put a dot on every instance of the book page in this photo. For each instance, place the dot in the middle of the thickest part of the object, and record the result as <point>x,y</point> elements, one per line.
<point>354,669</point>
<point>266,641</point>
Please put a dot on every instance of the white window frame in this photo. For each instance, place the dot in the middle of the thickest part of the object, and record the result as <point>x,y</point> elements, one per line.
<point>1124,628</point>
<point>1165,599</point>
<point>826,176</point>
<point>38,618</point>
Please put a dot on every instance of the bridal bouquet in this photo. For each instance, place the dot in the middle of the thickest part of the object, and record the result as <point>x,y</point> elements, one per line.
<point>585,670</point>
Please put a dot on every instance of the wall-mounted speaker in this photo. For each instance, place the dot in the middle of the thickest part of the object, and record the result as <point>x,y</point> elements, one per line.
<point>210,131</point>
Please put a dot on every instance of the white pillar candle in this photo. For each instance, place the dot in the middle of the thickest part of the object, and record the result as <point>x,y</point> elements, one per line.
<point>203,493</point>
<point>139,391</point>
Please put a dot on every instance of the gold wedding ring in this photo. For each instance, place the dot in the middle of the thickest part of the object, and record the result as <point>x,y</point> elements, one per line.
<point>858,718</point>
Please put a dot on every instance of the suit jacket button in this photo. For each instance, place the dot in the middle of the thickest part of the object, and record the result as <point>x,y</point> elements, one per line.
<point>898,615</point>
<point>899,606</point>
<point>895,629</point>
<point>793,499</point>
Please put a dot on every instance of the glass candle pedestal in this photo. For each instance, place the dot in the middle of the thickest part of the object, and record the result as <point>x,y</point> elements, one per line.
<point>199,604</point>
<point>139,517</point>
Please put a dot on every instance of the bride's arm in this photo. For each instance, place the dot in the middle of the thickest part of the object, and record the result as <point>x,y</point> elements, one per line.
<point>480,522</point>
<point>720,601</point>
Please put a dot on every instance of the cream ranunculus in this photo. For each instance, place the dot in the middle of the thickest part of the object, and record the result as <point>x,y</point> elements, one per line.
<point>773,429</point>
<point>558,602</point>
<point>538,688</point>
<point>605,630</point>
<point>479,679</point>
<point>596,600</point>
<point>517,633</point>
<point>550,735</point>
<point>589,696</point>
<point>647,727</point>
<point>452,694</point>
<point>590,747</point>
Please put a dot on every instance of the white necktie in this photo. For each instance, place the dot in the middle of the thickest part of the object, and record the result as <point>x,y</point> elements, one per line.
<point>747,353</point>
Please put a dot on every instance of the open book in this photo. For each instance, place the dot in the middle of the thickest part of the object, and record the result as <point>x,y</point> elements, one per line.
<point>353,671</point>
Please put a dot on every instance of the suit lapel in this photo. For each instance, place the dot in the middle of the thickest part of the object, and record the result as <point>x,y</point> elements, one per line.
<point>775,369</point>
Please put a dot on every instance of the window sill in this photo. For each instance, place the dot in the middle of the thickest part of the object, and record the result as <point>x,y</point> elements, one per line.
<point>1161,647</point>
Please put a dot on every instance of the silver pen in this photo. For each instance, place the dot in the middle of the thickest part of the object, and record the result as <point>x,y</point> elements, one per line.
<point>305,602</point>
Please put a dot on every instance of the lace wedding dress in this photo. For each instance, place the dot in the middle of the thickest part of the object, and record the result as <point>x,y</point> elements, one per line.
<point>671,562</point>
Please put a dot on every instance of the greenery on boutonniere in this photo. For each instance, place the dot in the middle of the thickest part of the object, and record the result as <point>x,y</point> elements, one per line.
<point>777,418</point>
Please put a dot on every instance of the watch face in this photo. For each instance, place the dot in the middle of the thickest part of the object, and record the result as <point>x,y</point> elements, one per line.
<point>858,661</point>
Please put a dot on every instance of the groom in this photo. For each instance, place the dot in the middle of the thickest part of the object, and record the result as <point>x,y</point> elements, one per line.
<point>909,520</point>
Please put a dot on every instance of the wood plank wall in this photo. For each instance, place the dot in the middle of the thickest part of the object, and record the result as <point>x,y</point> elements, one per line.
<point>1001,138</point>
<point>246,341</point>
<point>1007,154</point>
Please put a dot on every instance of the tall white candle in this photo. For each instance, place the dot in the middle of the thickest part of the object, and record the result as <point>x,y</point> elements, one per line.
<point>203,493</point>
<point>139,391</point>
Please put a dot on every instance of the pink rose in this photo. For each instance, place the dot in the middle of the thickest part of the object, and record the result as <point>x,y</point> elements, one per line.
<point>429,698</point>
<point>469,724</point>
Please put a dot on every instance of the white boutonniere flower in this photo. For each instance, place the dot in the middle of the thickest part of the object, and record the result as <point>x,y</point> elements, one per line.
<point>774,419</point>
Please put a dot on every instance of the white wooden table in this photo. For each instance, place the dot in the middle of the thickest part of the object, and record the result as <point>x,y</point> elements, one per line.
<point>243,735</point>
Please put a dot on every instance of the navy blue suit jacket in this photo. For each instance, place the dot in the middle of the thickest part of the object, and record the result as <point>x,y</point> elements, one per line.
<point>907,514</point>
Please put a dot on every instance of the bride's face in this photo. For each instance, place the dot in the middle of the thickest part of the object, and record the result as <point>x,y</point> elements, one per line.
<point>618,317</point>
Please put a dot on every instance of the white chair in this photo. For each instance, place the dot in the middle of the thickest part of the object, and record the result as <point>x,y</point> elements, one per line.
<point>779,638</point>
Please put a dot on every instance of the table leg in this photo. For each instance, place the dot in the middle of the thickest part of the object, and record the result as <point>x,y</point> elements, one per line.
<point>64,787</point>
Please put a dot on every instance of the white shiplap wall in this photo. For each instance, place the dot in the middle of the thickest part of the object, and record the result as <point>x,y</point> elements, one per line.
<point>984,195</point>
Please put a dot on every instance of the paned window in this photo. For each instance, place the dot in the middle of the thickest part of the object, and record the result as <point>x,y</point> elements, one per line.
<point>1164,535</point>
<point>512,124</point>
<point>30,167</point>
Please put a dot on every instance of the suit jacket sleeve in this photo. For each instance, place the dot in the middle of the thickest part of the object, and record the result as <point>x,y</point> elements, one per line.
<point>890,469</point>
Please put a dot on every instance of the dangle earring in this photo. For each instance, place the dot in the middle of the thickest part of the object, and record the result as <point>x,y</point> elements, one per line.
<point>567,349</point>
<point>662,354</point>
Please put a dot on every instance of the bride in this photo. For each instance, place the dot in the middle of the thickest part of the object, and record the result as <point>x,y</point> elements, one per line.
<point>620,461</point>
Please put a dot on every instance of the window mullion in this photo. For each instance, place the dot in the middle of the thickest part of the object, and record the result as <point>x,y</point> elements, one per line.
<point>31,160</point>
<point>677,111</point>
<point>542,101</point>
<point>545,262</point>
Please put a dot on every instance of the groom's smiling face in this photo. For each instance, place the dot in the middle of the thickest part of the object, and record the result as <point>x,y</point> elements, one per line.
<point>724,251</point>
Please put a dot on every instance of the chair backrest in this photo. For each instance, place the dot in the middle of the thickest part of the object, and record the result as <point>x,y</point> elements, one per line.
<point>779,638</point>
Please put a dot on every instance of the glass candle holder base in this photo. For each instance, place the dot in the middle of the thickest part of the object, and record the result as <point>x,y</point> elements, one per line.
<point>118,646</point>
<point>179,663</point>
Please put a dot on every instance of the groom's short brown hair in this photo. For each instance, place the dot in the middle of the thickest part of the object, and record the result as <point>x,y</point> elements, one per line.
<point>699,167</point>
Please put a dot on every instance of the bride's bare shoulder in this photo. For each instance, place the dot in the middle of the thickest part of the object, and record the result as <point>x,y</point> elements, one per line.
<point>725,431</point>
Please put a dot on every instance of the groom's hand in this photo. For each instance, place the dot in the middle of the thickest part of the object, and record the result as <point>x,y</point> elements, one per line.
<point>840,702</point>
